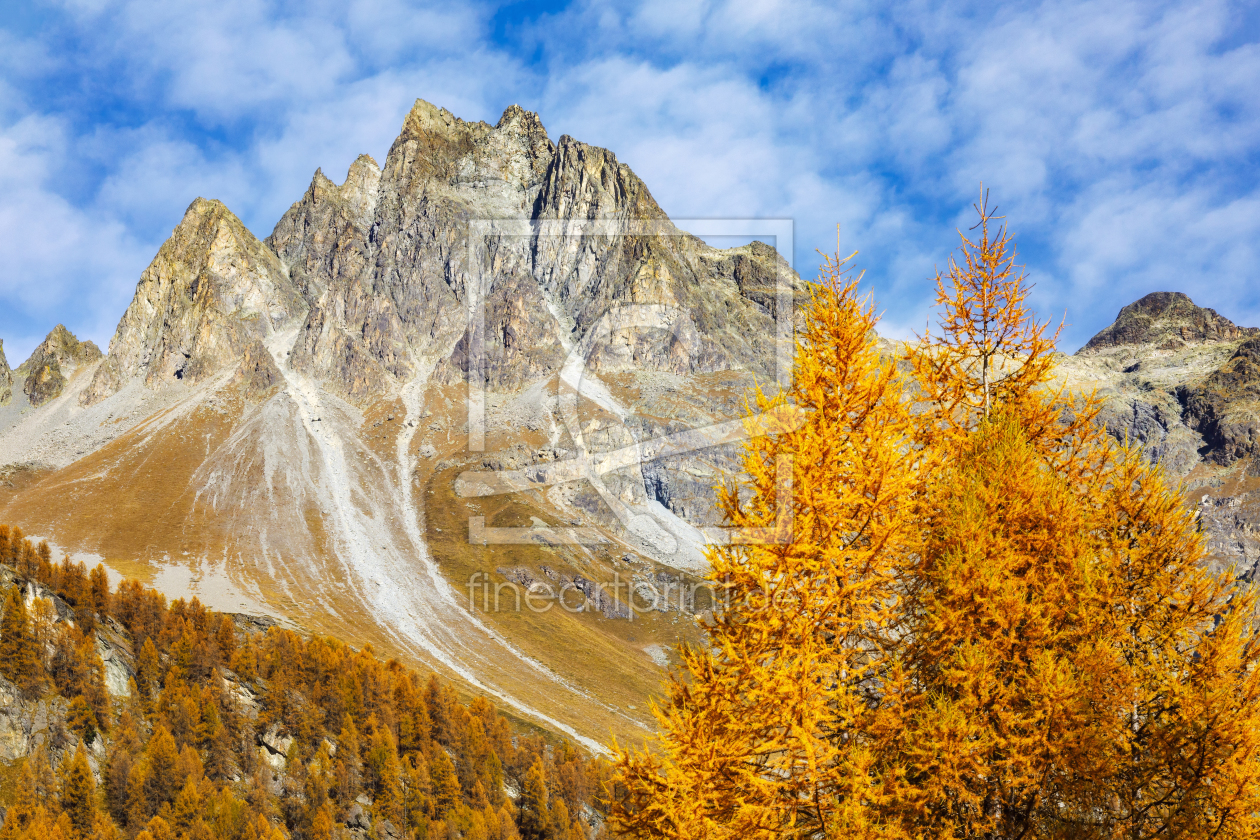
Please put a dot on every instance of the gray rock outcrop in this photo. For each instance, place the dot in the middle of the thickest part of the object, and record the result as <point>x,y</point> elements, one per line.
<point>1223,407</point>
<point>1183,382</point>
<point>212,290</point>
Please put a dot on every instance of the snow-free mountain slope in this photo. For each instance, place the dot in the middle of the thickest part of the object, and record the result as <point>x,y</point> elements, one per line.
<point>283,422</point>
<point>6,378</point>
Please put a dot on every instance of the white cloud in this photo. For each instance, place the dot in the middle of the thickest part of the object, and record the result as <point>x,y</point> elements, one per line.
<point>1120,136</point>
<point>62,263</point>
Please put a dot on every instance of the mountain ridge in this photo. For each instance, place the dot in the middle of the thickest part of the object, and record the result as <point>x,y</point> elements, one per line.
<point>285,418</point>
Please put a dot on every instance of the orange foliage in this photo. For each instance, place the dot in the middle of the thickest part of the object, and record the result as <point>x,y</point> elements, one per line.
<point>185,758</point>
<point>989,619</point>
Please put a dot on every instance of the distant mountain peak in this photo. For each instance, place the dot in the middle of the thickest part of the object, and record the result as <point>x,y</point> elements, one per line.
<point>45,373</point>
<point>1169,320</point>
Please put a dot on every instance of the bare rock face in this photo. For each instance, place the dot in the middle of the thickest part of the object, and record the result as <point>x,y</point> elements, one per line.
<point>387,274</point>
<point>257,373</point>
<point>212,290</point>
<point>318,237</point>
<point>46,372</point>
<point>1223,407</point>
<point>1184,383</point>
<point>6,378</point>
<point>1168,321</point>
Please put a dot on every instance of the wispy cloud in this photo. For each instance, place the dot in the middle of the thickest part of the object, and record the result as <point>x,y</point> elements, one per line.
<point>1122,138</point>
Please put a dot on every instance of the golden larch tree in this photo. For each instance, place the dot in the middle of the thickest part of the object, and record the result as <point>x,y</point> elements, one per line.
<point>768,729</point>
<point>989,620</point>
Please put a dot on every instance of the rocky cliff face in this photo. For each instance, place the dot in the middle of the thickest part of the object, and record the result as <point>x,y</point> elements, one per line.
<point>1223,407</point>
<point>386,272</point>
<point>212,289</point>
<point>48,369</point>
<point>6,378</point>
<point>1184,383</point>
<point>322,236</point>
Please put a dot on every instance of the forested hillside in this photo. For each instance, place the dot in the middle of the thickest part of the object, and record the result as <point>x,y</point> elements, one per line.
<point>124,716</point>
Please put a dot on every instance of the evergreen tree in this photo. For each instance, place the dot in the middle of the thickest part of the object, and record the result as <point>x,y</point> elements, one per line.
<point>81,718</point>
<point>47,785</point>
<point>24,802</point>
<point>157,829</point>
<point>416,791</point>
<point>122,752</point>
<point>349,767</point>
<point>148,668</point>
<point>322,824</point>
<point>19,659</point>
<point>99,584</point>
<point>225,639</point>
<point>386,773</point>
<point>187,807</point>
<point>78,793</point>
<point>534,820</point>
<point>138,811</point>
<point>443,782</point>
<point>162,761</point>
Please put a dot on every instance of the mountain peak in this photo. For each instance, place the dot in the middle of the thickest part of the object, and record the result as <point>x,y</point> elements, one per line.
<point>588,182</point>
<point>212,289</point>
<point>59,354</point>
<point>1170,320</point>
<point>517,117</point>
<point>425,118</point>
<point>325,206</point>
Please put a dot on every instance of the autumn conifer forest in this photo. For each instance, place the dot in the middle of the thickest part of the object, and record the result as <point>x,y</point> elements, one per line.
<point>215,711</point>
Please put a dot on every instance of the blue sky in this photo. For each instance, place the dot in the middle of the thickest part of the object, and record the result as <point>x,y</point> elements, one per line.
<point>1121,138</point>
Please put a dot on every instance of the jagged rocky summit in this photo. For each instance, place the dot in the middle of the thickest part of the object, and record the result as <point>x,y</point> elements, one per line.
<point>212,291</point>
<point>44,374</point>
<point>1166,321</point>
<point>375,269</point>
